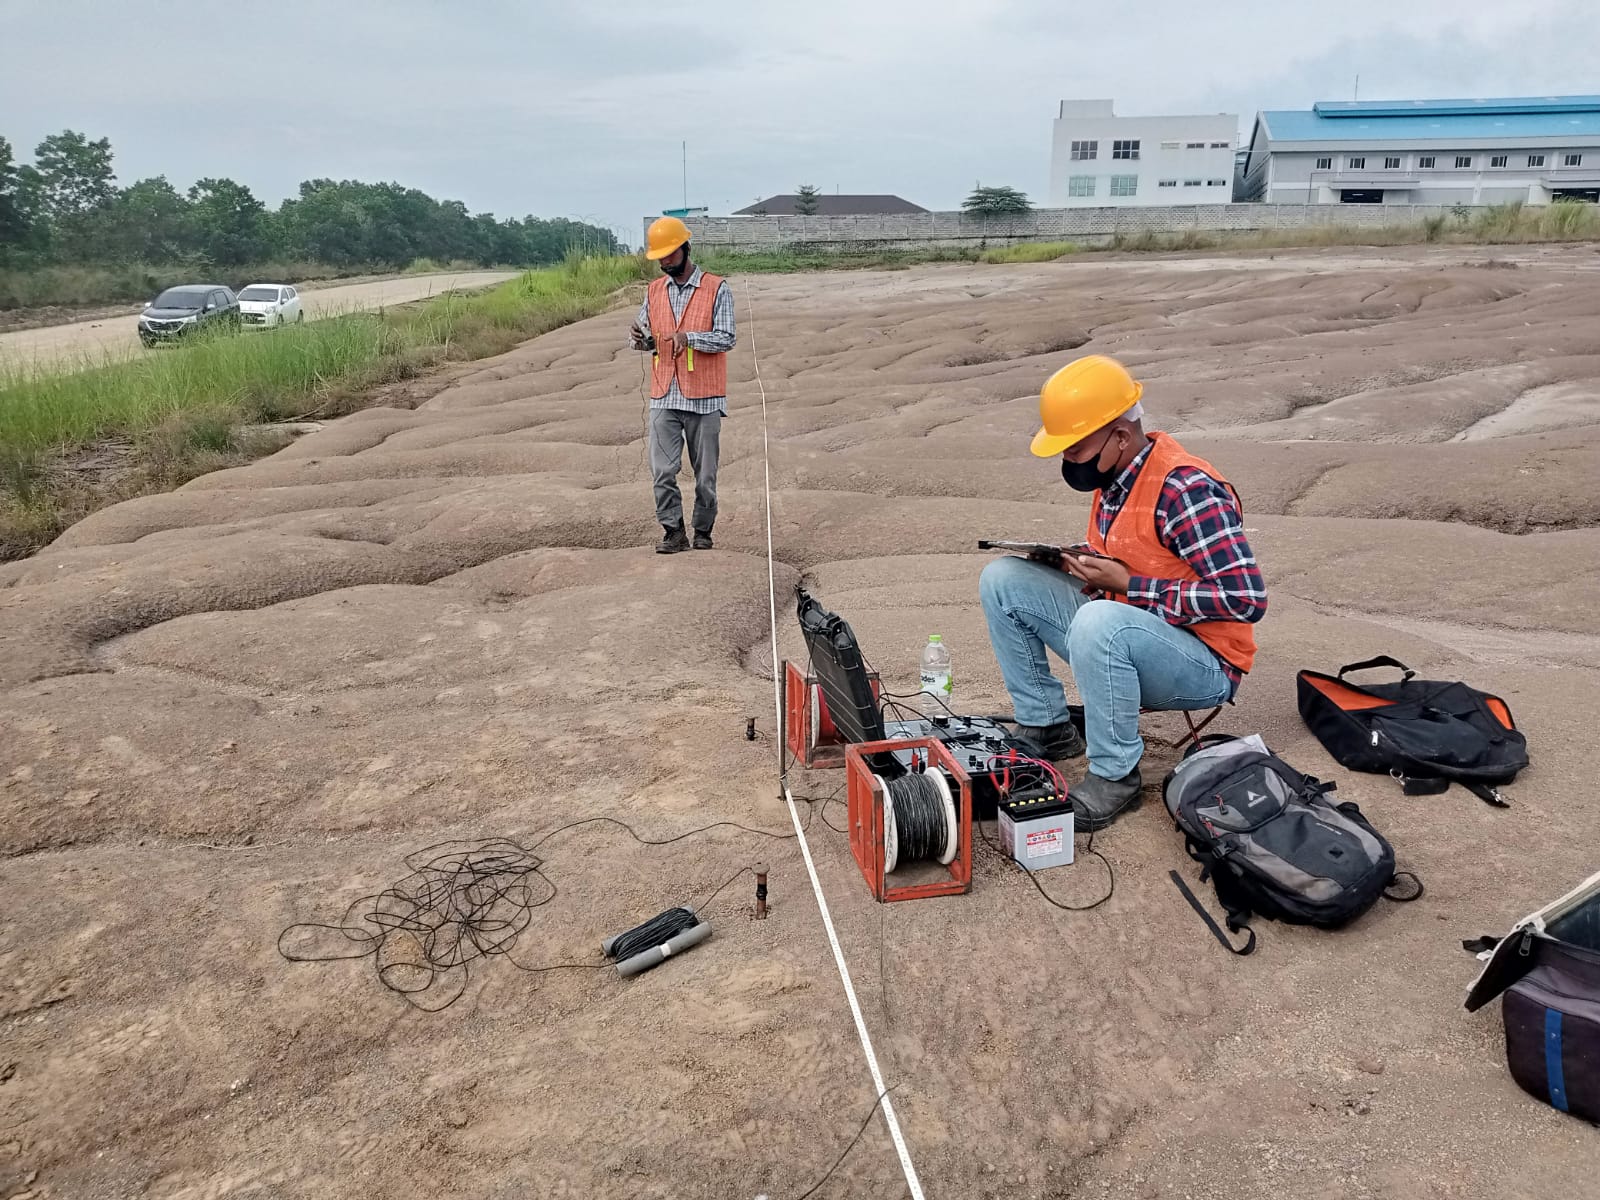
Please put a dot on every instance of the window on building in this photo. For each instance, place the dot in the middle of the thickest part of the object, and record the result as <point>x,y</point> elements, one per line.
<point>1125,185</point>
<point>1463,161</point>
<point>1391,163</point>
<point>1222,145</point>
<point>1357,164</point>
<point>1172,145</point>
<point>1191,183</point>
<point>1536,160</point>
<point>1168,183</point>
<point>1572,160</point>
<point>1122,149</point>
<point>1197,146</point>
<point>1083,151</point>
<point>1426,162</point>
<point>1499,160</point>
<point>1324,164</point>
<point>1216,183</point>
<point>1080,185</point>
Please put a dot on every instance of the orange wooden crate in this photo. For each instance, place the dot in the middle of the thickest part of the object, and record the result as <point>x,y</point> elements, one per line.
<point>865,801</point>
<point>809,731</point>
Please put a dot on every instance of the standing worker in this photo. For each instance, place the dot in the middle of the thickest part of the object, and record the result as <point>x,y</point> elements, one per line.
<point>687,319</point>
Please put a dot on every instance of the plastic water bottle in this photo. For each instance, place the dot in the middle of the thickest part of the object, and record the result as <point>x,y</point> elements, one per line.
<point>936,683</point>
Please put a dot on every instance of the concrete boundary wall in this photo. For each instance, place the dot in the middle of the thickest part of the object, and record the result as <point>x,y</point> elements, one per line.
<point>1049,224</point>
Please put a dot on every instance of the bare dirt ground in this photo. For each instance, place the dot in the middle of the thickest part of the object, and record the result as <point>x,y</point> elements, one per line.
<point>240,705</point>
<point>88,343</point>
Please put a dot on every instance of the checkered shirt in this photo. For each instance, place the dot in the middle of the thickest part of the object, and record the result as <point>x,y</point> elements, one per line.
<point>1197,519</point>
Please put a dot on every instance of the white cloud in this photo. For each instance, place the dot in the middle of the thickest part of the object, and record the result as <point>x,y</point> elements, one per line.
<point>574,110</point>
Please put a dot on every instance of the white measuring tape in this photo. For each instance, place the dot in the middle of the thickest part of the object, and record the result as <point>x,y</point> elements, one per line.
<point>880,1090</point>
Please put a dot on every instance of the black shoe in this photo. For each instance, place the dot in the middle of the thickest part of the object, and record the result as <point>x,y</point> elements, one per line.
<point>1055,742</point>
<point>1097,802</point>
<point>702,541</point>
<point>674,542</point>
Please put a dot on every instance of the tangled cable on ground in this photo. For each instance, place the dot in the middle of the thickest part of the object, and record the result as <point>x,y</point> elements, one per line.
<point>461,902</point>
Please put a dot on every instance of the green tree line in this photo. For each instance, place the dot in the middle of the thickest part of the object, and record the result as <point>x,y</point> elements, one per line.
<point>66,208</point>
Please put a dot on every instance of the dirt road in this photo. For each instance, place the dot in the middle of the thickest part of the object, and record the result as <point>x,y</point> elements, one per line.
<point>241,705</point>
<point>91,342</point>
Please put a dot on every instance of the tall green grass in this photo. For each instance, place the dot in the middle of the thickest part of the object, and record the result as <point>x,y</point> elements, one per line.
<point>194,398</point>
<point>1029,252</point>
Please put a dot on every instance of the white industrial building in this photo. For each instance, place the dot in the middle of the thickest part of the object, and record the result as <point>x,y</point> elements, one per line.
<point>1533,150</point>
<point>1101,160</point>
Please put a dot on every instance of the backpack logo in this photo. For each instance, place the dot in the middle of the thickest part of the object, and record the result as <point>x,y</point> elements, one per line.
<point>1251,799</point>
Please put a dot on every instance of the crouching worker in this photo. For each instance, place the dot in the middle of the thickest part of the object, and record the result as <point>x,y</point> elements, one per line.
<point>1164,622</point>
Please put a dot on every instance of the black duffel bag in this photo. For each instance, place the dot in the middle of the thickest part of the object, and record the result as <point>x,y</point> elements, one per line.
<point>1427,733</point>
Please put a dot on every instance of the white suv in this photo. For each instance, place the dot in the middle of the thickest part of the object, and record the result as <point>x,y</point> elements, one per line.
<point>264,305</point>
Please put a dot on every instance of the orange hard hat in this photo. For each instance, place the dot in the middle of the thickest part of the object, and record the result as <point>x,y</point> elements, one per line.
<point>665,235</point>
<point>1085,395</point>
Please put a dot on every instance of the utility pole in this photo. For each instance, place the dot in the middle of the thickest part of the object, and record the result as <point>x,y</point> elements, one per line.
<point>1357,95</point>
<point>686,174</point>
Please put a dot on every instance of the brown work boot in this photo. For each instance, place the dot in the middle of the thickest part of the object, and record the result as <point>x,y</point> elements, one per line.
<point>674,542</point>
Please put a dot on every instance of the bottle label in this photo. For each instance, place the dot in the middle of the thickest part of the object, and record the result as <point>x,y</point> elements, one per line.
<point>937,682</point>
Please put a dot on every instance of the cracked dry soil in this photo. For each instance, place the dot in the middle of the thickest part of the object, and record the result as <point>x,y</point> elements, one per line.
<point>240,705</point>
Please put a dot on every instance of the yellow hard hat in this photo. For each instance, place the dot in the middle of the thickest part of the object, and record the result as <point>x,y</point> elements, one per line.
<point>1086,394</point>
<point>665,235</point>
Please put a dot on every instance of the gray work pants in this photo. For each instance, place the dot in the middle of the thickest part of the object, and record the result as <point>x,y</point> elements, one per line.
<point>670,429</point>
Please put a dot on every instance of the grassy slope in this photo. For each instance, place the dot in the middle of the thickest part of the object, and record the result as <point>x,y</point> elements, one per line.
<point>170,416</point>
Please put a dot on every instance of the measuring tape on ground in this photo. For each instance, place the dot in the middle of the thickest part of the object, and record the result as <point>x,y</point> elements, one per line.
<point>880,1090</point>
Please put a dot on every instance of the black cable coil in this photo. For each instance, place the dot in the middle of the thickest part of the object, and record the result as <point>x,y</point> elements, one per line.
<point>658,929</point>
<point>922,828</point>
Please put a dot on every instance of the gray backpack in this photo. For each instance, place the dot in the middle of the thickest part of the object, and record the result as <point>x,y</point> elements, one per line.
<point>1272,842</point>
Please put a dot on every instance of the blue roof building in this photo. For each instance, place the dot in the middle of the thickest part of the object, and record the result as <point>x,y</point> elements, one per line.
<point>1489,151</point>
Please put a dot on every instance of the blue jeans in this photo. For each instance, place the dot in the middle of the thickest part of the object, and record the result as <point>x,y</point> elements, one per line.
<point>1123,658</point>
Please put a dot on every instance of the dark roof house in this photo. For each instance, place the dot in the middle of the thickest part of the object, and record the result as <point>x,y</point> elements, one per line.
<point>831,206</point>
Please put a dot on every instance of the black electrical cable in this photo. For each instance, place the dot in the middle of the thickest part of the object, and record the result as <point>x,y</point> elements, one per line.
<point>658,929</point>
<point>461,902</point>
<point>1033,876</point>
<point>667,925</point>
<point>732,879</point>
<point>838,1162</point>
<point>890,696</point>
<point>921,824</point>
<point>644,841</point>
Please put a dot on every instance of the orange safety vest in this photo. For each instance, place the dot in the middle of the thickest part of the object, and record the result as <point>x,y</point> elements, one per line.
<point>701,376</point>
<point>1135,540</point>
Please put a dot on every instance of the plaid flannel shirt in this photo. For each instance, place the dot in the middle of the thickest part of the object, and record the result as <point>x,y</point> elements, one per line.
<point>718,341</point>
<point>1197,519</point>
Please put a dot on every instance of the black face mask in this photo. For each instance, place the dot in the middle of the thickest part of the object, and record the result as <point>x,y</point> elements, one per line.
<point>1087,476</point>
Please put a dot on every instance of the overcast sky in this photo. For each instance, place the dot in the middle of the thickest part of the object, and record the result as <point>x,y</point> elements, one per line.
<point>578,109</point>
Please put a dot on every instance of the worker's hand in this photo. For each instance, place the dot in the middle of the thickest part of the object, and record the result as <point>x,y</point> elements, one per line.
<point>638,338</point>
<point>1106,574</point>
<point>680,342</point>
